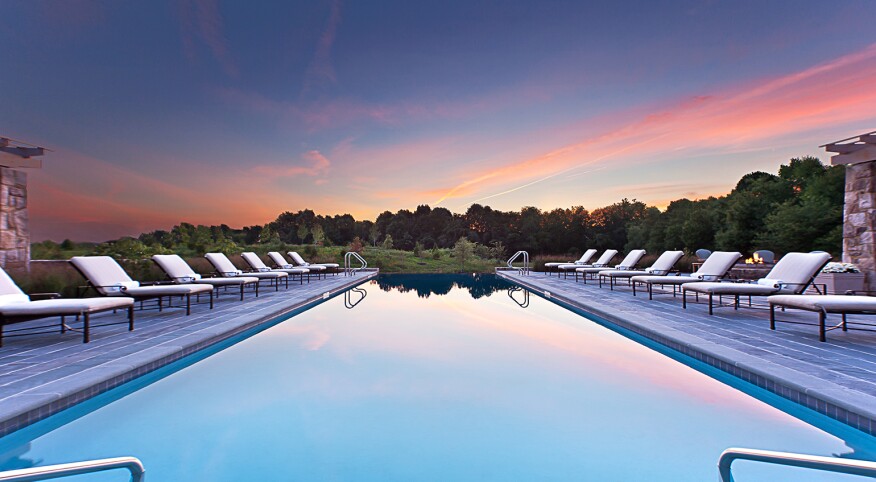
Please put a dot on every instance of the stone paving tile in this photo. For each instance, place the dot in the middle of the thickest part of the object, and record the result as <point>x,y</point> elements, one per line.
<point>837,377</point>
<point>41,374</point>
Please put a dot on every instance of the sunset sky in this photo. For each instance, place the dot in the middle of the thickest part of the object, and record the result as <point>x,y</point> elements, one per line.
<point>231,112</point>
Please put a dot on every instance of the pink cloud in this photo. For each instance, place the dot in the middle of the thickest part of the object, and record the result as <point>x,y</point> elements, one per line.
<point>318,165</point>
<point>836,92</point>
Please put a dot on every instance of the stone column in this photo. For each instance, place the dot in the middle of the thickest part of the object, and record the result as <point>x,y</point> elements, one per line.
<point>859,227</point>
<point>14,231</point>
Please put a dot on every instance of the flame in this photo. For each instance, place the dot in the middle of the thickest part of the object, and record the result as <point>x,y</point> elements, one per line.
<point>754,259</point>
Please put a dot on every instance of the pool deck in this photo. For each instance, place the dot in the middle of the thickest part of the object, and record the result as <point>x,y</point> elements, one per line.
<point>836,378</point>
<point>42,374</point>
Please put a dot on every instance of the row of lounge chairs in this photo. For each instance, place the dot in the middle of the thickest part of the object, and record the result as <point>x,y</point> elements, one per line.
<point>783,286</point>
<point>117,290</point>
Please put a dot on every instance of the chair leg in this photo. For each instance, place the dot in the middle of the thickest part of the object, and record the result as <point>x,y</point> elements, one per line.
<point>710,303</point>
<point>683,298</point>
<point>241,290</point>
<point>188,304</point>
<point>821,329</point>
<point>651,293</point>
<point>211,299</point>
<point>131,318</point>
<point>63,324</point>
<point>772,316</point>
<point>845,327</point>
<point>86,335</point>
<point>634,286</point>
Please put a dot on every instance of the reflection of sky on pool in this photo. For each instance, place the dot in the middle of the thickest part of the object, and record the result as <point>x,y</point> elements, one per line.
<point>440,388</point>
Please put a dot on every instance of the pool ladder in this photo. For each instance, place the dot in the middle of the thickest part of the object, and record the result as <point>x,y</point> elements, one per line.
<point>524,270</point>
<point>349,270</point>
<point>815,462</point>
<point>138,472</point>
<point>132,464</point>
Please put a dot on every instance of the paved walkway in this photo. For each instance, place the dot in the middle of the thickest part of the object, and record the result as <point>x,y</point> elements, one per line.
<point>836,378</point>
<point>43,374</point>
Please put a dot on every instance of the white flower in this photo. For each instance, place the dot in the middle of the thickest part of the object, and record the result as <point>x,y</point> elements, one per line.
<point>840,268</point>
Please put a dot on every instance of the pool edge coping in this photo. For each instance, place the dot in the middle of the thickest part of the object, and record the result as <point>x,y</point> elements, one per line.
<point>48,405</point>
<point>812,398</point>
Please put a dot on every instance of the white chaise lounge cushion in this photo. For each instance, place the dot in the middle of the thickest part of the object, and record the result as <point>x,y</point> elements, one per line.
<point>104,273</point>
<point>9,291</point>
<point>790,275</point>
<point>65,306</point>
<point>584,259</point>
<point>300,261</point>
<point>631,260</point>
<point>828,303</point>
<point>225,267</point>
<point>600,263</point>
<point>180,272</point>
<point>717,265</point>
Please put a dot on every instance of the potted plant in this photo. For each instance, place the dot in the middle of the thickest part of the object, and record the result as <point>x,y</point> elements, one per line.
<point>838,278</point>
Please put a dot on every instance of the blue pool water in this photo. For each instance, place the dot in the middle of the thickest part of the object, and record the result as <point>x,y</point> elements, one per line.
<point>435,378</point>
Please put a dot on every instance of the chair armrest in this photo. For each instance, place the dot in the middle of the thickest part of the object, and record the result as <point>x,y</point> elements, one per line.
<point>44,296</point>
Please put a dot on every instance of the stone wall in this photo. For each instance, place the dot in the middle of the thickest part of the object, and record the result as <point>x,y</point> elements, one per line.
<point>859,228</point>
<point>14,230</point>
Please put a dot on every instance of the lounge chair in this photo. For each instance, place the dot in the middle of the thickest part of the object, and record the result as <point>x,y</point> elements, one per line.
<point>17,307</point>
<point>280,262</point>
<point>602,262</point>
<point>791,275</point>
<point>661,267</point>
<point>108,278</point>
<point>258,265</point>
<point>225,268</point>
<point>715,267</point>
<point>299,261</point>
<point>583,260</point>
<point>629,262</point>
<point>824,304</point>
<point>178,271</point>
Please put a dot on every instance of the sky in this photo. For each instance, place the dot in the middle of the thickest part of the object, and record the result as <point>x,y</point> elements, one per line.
<point>231,112</point>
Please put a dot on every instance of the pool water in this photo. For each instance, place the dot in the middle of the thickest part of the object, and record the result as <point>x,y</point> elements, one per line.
<point>435,378</point>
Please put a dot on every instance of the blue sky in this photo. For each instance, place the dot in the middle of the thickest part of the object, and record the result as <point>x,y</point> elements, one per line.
<point>213,112</point>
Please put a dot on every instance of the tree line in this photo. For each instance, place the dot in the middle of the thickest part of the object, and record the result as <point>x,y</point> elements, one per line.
<point>798,209</point>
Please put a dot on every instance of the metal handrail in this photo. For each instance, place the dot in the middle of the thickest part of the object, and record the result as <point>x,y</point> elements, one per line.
<point>348,258</point>
<point>132,464</point>
<point>523,270</point>
<point>817,462</point>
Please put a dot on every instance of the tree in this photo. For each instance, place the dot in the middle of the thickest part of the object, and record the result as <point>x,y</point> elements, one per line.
<point>373,234</point>
<point>303,231</point>
<point>318,235</point>
<point>463,250</point>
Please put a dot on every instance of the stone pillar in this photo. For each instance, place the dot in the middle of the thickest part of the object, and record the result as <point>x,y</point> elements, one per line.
<point>14,231</point>
<point>859,227</point>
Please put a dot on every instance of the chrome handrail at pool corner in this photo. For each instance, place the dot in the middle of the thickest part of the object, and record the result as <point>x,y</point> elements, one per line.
<point>132,464</point>
<point>348,258</point>
<point>525,268</point>
<point>817,462</point>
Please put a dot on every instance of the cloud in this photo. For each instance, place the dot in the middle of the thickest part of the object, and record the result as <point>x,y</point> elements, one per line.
<point>832,93</point>
<point>318,165</point>
<point>202,18</point>
<point>320,69</point>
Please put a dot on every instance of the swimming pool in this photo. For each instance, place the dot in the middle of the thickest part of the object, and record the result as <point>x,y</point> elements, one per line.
<point>435,378</point>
